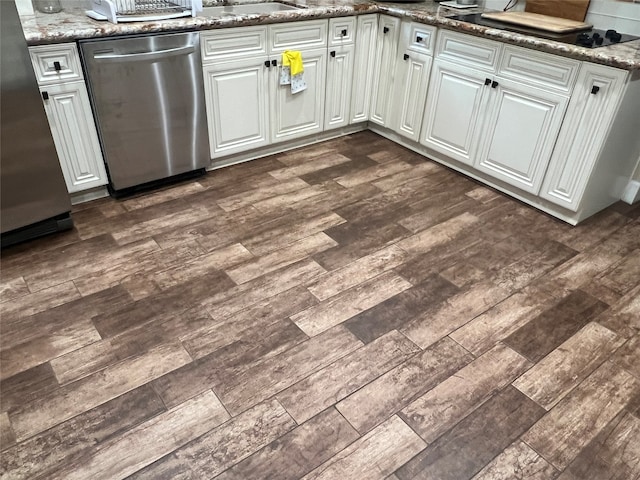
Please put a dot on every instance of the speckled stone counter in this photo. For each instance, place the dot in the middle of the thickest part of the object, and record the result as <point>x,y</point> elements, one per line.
<point>72,24</point>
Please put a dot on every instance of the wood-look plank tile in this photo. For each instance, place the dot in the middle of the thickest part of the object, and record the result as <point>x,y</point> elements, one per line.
<point>343,377</point>
<point>625,275</point>
<point>345,305</point>
<point>297,452</point>
<point>12,288</point>
<point>437,235</point>
<point>398,310</point>
<point>372,173</point>
<point>222,447</point>
<point>442,207</point>
<point>83,361</point>
<point>220,369</point>
<point>551,328</point>
<point>628,357</point>
<point>417,171</point>
<point>7,438</point>
<point>391,392</point>
<point>612,455</point>
<point>62,404</point>
<point>225,304</point>
<point>465,449</point>
<point>26,386</point>
<point>319,163</point>
<point>308,154</point>
<point>592,230</point>
<point>483,194</point>
<point>39,301</point>
<point>374,456</point>
<point>442,319</point>
<point>277,236</point>
<point>361,270</point>
<point>581,415</point>
<point>284,257</point>
<point>277,373</point>
<point>453,399</point>
<point>281,202</point>
<point>518,462</point>
<point>234,202</point>
<point>174,301</point>
<point>64,444</point>
<point>357,163</point>
<point>117,458</point>
<point>623,317</point>
<point>161,196</point>
<point>500,321</point>
<point>565,367</point>
<point>41,349</point>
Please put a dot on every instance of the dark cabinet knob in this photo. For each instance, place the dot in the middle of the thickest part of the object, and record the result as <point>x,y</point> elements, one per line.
<point>595,89</point>
<point>419,39</point>
<point>385,30</point>
<point>45,95</point>
<point>405,56</point>
<point>274,63</point>
<point>487,81</point>
<point>343,33</point>
<point>332,53</point>
<point>57,66</point>
<point>494,84</point>
<point>267,63</point>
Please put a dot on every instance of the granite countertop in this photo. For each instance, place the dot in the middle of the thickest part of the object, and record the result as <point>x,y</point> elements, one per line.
<point>72,24</point>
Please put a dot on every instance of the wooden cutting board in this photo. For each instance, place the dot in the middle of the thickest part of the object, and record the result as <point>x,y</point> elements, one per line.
<point>541,22</point>
<point>571,9</point>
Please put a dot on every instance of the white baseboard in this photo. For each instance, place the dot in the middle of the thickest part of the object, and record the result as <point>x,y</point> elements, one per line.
<point>631,194</point>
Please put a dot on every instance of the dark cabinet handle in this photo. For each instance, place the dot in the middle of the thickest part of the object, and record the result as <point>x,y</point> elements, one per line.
<point>57,66</point>
<point>419,39</point>
<point>332,53</point>
<point>343,32</point>
<point>274,63</point>
<point>405,56</point>
<point>267,63</point>
<point>494,84</point>
<point>385,30</point>
<point>45,95</point>
<point>487,81</point>
<point>595,89</point>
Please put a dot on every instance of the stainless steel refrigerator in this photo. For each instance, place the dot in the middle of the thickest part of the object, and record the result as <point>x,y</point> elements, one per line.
<point>33,196</point>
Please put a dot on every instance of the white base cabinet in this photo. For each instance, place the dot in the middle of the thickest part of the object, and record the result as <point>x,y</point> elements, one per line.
<point>364,64</point>
<point>384,73</point>
<point>68,109</point>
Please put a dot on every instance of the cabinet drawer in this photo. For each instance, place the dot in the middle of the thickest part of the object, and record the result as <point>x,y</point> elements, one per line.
<point>418,38</point>
<point>468,50</point>
<point>297,36</point>
<point>233,43</point>
<point>342,31</point>
<point>538,68</point>
<point>56,63</point>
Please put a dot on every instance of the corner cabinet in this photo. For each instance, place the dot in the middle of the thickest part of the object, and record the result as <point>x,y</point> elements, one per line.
<point>66,103</point>
<point>365,59</point>
<point>384,73</point>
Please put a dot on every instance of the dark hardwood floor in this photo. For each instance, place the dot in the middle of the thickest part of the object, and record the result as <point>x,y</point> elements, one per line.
<point>348,310</point>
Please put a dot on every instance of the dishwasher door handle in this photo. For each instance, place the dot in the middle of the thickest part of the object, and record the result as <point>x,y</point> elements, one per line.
<point>145,56</point>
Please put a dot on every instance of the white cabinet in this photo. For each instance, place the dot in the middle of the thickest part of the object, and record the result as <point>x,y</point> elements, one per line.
<point>340,65</point>
<point>413,67</point>
<point>384,73</point>
<point>589,118</point>
<point>237,96</point>
<point>455,105</point>
<point>300,114</point>
<point>365,58</point>
<point>522,124</point>
<point>68,109</point>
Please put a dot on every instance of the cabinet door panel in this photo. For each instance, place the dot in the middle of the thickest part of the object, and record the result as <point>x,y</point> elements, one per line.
<point>74,135</point>
<point>338,92</point>
<point>454,106</point>
<point>520,133</point>
<point>588,121</point>
<point>411,94</point>
<point>388,32</point>
<point>302,113</point>
<point>237,105</point>
<point>366,34</point>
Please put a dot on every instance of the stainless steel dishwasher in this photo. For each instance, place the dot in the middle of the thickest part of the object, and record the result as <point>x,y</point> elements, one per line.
<point>147,94</point>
